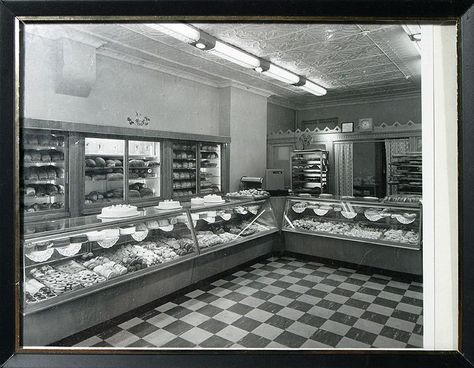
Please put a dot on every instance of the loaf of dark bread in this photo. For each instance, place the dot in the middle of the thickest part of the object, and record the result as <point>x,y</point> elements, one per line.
<point>35,156</point>
<point>146,192</point>
<point>59,172</point>
<point>45,156</point>
<point>51,173</point>
<point>100,162</point>
<point>134,194</point>
<point>33,139</point>
<point>43,140</point>
<point>90,163</point>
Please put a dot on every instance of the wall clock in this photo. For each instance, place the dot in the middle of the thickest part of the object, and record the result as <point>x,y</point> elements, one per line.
<point>365,125</point>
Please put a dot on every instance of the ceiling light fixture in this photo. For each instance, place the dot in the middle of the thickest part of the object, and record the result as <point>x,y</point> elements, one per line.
<point>312,87</point>
<point>278,73</point>
<point>180,31</point>
<point>235,55</point>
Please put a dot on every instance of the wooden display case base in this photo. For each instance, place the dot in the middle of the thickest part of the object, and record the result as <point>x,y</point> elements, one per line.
<point>372,255</point>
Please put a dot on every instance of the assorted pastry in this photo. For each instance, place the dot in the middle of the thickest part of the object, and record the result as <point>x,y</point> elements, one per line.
<point>356,230</point>
<point>255,193</point>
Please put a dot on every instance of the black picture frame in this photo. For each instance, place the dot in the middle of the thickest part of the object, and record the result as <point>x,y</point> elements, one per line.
<point>429,10</point>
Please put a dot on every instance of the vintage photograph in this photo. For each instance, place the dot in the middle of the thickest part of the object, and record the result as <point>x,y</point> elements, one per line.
<point>222,185</point>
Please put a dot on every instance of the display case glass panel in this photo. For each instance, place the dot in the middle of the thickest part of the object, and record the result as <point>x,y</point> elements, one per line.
<point>43,182</point>
<point>144,174</point>
<point>389,224</point>
<point>217,226</point>
<point>184,168</point>
<point>104,171</point>
<point>210,168</point>
<point>76,255</point>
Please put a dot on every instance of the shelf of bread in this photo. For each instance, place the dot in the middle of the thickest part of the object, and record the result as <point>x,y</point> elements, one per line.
<point>43,185</point>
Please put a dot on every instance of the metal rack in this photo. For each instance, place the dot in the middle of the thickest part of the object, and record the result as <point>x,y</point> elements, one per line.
<point>309,171</point>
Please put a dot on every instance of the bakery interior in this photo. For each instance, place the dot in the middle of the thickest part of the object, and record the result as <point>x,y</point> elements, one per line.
<point>221,185</point>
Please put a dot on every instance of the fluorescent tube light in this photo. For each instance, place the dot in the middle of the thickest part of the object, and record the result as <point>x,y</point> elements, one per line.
<point>180,31</point>
<point>313,88</point>
<point>280,74</point>
<point>235,55</point>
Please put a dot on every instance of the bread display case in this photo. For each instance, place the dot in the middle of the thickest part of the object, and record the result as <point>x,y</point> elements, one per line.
<point>144,170</point>
<point>395,225</point>
<point>184,169</point>
<point>43,185</point>
<point>103,171</point>
<point>221,225</point>
<point>210,168</point>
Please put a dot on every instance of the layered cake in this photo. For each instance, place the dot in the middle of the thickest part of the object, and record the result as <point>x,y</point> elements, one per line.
<point>169,204</point>
<point>119,210</point>
<point>197,202</point>
<point>213,198</point>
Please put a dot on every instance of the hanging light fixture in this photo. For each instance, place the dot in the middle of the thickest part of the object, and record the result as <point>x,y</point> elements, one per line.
<point>206,42</point>
<point>312,87</point>
<point>180,31</point>
<point>278,73</point>
<point>235,55</point>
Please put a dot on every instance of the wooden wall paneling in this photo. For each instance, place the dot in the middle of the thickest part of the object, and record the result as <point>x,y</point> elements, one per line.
<point>225,165</point>
<point>167,169</point>
<point>125,172</point>
<point>197,180</point>
<point>120,131</point>
<point>76,175</point>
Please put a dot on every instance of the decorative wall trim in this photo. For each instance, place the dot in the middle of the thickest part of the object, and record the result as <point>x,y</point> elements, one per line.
<point>382,128</point>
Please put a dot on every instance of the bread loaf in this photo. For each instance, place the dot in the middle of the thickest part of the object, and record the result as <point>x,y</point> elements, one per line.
<point>43,140</point>
<point>90,163</point>
<point>110,163</point>
<point>100,162</point>
<point>45,156</point>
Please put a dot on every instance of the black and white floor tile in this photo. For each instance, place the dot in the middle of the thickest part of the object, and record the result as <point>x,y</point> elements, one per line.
<point>280,303</point>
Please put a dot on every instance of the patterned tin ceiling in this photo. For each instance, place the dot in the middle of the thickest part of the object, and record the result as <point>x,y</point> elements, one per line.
<point>353,61</point>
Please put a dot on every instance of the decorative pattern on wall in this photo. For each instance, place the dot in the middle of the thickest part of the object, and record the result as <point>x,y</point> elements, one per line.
<point>382,128</point>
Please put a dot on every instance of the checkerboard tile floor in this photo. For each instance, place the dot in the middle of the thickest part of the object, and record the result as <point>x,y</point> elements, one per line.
<point>280,303</point>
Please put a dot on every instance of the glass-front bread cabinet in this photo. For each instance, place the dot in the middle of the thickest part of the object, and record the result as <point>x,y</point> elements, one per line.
<point>103,170</point>
<point>228,223</point>
<point>43,167</point>
<point>144,174</point>
<point>389,224</point>
<point>67,258</point>
<point>210,157</point>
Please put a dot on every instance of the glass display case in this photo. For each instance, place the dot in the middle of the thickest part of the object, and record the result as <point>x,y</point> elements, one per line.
<point>43,182</point>
<point>144,174</point>
<point>209,168</point>
<point>231,223</point>
<point>309,171</point>
<point>103,171</point>
<point>374,222</point>
<point>64,259</point>
<point>184,169</point>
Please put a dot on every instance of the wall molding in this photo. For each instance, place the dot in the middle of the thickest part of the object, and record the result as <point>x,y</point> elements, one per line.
<point>317,133</point>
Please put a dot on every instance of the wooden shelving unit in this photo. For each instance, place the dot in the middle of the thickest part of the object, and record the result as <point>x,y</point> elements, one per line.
<point>406,173</point>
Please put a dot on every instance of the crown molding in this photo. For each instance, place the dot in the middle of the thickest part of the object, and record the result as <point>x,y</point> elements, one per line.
<point>246,88</point>
<point>360,101</point>
<point>56,32</point>
<point>279,101</point>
